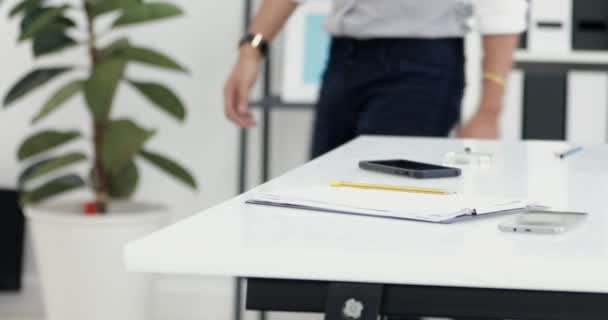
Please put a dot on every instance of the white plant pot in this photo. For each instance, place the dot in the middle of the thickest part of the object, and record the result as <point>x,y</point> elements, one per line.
<point>81,262</point>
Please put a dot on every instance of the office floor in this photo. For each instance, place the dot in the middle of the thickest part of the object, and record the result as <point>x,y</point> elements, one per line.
<point>177,298</point>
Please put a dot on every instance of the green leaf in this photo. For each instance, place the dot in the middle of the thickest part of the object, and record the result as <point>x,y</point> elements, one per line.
<point>51,41</point>
<point>170,167</point>
<point>30,16</point>
<point>43,141</point>
<point>147,12</point>
<point>121,48</point>
<point>162,97</point>
<point>121,141</point>
<point>31,81</point>
<point>100,88</point>
<point>152,57</point>
<point>53,188</point>
<point>123,184</point>
<point>59,98</point>
<point>35,12</point>
<point>49,165</point>
<point>114,49</point>
<point>104,6</point>
<point>43,19</point>
<point>24,6</point>
<point>60,23</point>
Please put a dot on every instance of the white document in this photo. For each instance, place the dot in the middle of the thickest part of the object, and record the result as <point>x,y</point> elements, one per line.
<point>587,108</point>
<point>550,26</point>
<point>388,204</point>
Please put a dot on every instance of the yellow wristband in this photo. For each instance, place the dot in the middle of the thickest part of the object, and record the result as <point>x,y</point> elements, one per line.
<point>494,78</point>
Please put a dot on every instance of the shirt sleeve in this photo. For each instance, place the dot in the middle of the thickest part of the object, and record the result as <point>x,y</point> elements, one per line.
<point>501,16</point>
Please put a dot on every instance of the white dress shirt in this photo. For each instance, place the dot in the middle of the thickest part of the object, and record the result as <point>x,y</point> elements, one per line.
<point>424,18</point>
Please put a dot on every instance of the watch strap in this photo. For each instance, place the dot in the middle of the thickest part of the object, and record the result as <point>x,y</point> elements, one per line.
<point>257,41</point>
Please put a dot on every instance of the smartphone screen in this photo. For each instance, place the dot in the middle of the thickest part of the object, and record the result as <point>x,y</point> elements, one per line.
<point>410,165</point>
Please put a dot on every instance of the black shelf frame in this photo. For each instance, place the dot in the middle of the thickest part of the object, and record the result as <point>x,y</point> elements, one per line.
<point>277,103</point>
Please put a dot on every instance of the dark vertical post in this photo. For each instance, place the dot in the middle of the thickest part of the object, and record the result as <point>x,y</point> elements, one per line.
<point>11,241</point>
<point>242,178</point>
<point>266,117</point>
<point>242,182</point>
<point>266,124</point>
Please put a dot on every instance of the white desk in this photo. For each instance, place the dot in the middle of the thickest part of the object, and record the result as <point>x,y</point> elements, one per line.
<point>237,239</point>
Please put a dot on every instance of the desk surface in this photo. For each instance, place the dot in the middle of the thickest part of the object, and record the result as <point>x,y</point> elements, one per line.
<point>236,239</point>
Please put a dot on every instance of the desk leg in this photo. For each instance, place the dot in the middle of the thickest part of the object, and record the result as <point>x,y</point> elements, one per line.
<point>353,301</point>
<point>238,298</point>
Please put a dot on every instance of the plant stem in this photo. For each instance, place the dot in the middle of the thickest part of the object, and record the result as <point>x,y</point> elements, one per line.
<point>100,177</point>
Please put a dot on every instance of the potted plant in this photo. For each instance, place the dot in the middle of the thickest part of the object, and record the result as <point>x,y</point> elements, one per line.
<point>80,256</point>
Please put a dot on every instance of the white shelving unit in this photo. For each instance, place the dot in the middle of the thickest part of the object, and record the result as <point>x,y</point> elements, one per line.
<point>586,99</point>
<point>574,57</point>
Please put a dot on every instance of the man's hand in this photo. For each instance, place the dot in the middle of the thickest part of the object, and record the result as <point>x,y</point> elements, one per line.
<point>483,125</point>
<point>498,60</point>
<point>269,20</point>
<point>238,86</point>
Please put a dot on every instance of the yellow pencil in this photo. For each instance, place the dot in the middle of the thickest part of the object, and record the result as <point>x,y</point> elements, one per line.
<point>388,187</point>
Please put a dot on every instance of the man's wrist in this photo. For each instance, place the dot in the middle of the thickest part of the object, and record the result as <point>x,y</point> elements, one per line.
<point>491,99</point>
<point>250,53</point>
<point>495,79</point>
<point>489,110</point>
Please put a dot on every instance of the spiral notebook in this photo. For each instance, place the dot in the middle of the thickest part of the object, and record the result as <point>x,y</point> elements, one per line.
<point>389,204</point>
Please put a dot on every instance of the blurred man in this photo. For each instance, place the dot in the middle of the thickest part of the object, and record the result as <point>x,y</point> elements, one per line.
<point>396,67</point>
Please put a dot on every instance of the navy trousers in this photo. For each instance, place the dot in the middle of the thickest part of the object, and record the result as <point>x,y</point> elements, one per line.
<point>401,87</point>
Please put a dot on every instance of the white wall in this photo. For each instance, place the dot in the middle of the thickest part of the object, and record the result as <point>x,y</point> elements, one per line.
<point>205,41</point>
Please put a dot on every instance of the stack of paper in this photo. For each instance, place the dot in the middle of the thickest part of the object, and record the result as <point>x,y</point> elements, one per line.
<point>388,204</point>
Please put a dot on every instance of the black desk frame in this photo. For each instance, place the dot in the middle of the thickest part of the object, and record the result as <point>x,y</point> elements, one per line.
<point>412,301</point>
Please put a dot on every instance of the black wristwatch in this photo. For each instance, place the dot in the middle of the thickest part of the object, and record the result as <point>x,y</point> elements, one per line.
<point>257,41</point>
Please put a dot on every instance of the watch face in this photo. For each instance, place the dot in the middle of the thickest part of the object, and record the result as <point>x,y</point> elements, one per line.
<point>257,41</point>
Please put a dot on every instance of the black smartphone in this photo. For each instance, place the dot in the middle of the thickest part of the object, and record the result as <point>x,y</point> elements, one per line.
<point>418,170</point>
